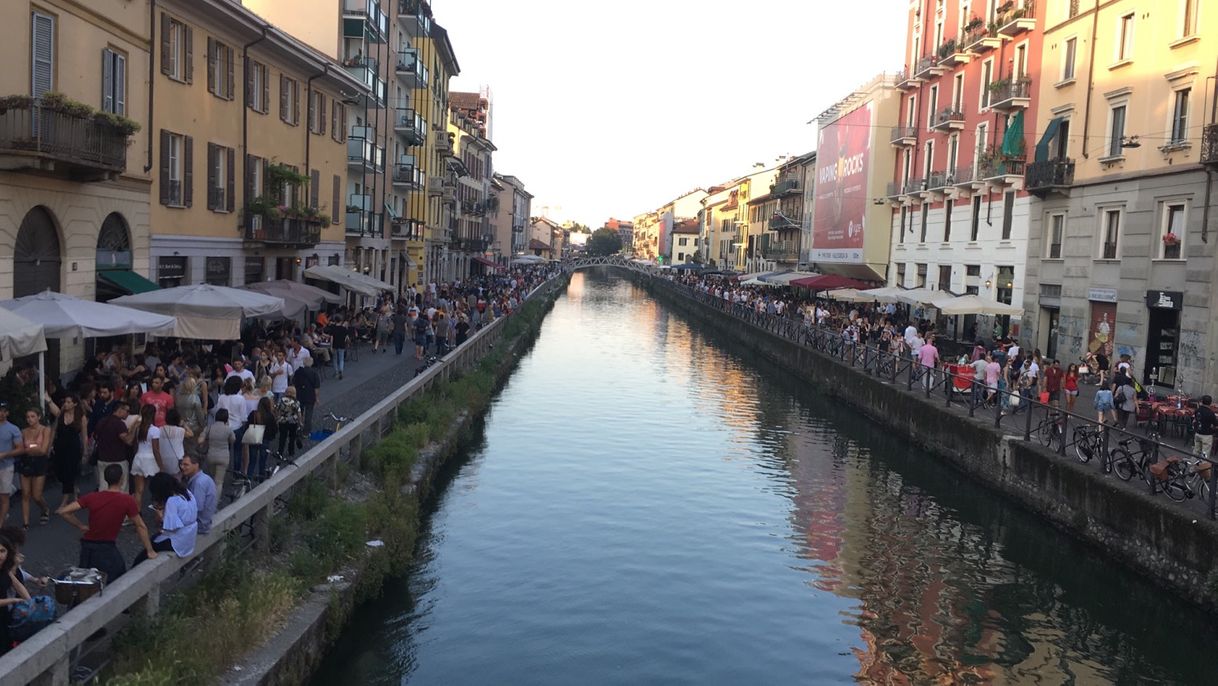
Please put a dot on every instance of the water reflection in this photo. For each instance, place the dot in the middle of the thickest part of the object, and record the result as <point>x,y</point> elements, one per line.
<point>651,505</point>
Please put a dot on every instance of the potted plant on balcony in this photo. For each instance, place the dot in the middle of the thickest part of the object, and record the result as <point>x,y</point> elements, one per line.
<point>947,48</point>
<point>1005,7</point>
<point>974,24</point>
<point>999,84</point>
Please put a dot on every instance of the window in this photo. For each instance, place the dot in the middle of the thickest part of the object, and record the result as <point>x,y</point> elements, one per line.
<point>219,69</point>
<point>1188,16</point>
<point>947,220</point>
<point>1068,57</point>
<point>254,168</point>
<point>911,112</point>
<point>921,276</point>
<point>317,113</point>
<point>177,54</point>
<point>1116,130</point>
<point>1061,144</point>
<point>1179,117</point>
<point>1008,214</point>
<point>1124,38</point>
<point>258,87</point>
<point>114,82</point>
<point>1021,60</point>
<point>928,161</point>
<point>338,121</point>
<point>945,277</point>
<point>987,77</point>
<point>958,93</point>
<point>1056,228</point>
<point>289,100</point>
<point>901,229</point>
<point>175,172</point>
<point>931,106</point>
<point>219,178</point>
<point>1172,229</point>
<point>42,54</point>
<point>1110,233</point>
<point>953,151</point>
<point>983,134</point>
<point>975,224</point>
<point>901,274</point>
<point>925,218</point>
<point>315,189</point>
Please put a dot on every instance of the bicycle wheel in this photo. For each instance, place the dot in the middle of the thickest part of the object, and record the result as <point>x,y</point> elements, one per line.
<point>1045,431</point>
<point>1176,487</point>
<point>1124,465</point>
<point>1083,447</point>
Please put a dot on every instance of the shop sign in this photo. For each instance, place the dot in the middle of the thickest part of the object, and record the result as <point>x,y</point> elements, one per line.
<point>1103,295</point>
<point>218,270</point>
<point>1165,300</point>
<point>171,268</point>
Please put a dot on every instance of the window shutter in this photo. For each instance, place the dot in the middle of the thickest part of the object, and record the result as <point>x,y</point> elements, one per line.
<point>166,47</point>
<point>312,112</point>
<point>212,57</point>
<point>248,70</point>
<point>42,63</point>
<point>107,81</point>
<point>342,123</point>
<point>164,167</point>
<point>266,89</point>
<point>336,199</point>
<point>190,53</point>
<point>321,113</point>
<point>247,183</point>
<point>188,170</point>
<point>120,84</point>
<point>230,160</point>
<point>211,176</point>
<point>295,103</point>
<point>229,65</point>
<point>283,97</point>
<point>314,188</point>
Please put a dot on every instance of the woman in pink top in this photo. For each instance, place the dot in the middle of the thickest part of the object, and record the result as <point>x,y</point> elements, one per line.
<point>992,372</point>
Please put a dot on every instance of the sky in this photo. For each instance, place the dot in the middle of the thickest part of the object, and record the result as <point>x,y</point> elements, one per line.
<point>614,108</point>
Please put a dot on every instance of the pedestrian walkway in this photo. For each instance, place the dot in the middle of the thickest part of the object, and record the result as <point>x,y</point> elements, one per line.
<point>53,547</point>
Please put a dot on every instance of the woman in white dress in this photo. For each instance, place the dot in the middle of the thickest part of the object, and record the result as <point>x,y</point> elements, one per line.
<point>147,460</point>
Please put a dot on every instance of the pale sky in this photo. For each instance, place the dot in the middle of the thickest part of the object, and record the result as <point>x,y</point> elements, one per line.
<point>614,108</point>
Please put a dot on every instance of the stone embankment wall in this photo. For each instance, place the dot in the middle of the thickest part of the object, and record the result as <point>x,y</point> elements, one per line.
<point>1150,534</point>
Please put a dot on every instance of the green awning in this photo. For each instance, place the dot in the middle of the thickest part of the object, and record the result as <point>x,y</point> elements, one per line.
<point>128,281</point>
<point>1012,142</point>
<point>1042,148</point>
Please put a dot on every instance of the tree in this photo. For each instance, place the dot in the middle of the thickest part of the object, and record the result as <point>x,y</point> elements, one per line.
<point>604,242</point>
<point>576,227</point>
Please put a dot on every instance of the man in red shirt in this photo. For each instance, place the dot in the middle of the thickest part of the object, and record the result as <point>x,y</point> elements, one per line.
<point>158,398</point>
<point>1053,383</point>
<point>107,510</point>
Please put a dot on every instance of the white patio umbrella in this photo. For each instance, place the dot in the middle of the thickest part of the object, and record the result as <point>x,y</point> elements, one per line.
<point>922,296</point>
<point>848,295</point>
<point>203,310</point>
<point>974,304</point>
<point>63,316</point>
<point>347,278</point>
<point>313,296</point>
<point>887,294</point>
<point>19,336</point>
<point>293,306</point>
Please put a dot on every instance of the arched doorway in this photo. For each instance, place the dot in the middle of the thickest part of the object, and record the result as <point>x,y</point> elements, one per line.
<point>37,260</point>
<point>113,255</point>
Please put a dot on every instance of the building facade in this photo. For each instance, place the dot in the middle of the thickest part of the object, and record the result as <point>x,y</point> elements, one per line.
<point>511,218</point>
<point>1120,253</point>
<point>960,217</point>
<point>475,200</point>
<point>781,210</point>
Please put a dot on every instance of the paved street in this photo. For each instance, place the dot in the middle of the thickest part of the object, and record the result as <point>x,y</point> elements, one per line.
<point>53,547</point>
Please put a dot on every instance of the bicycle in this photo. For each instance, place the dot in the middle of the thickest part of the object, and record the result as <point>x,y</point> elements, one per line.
<point>1186,479</point>
<point>1088,441</point>
<point>244,483</point>
<point>1050,429</point>
<point>1127,462</point>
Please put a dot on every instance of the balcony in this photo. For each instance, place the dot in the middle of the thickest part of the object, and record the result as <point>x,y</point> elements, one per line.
<point>913,186</point>
<point>435,186</point>
<point>69,145</point>
<point>365,19</point>
<point>948,120</point>
<point>904,136</point>
<point>359,223</point>
<point>408,176</point>
<point>785,186</point>
<point>781,222</point>
<point>1017,20</point>
<point>410,229</point>
<point>980,39</point>
<point>472,208</point>
<point>1008,95</point>
<point>1048,176</point>
<point>444,144</point>
<point>936,182</point>
<point>410,69</point>
<point>780,251</point>
<point>410,125</point>
<point>927,67</point>
<point>962,178</point>
<point>474,245</point>
<point>297,232</point>
<point>414,16</point>
<point>448,192</point>
<point>362,154</point>
<point>952,54</point>
<point>895,191</point>
<point>1209,145</point>
<point>907,82</point>
<point>999,170</point>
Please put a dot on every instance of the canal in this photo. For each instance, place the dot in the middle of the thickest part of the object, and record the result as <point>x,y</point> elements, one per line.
<point>646,504</point>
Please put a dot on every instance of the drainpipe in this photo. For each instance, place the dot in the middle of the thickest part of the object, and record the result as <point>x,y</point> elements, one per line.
<point>245,114</point>
<point>1095,18</point>
<point>152,51</point>
<point>309,134</point>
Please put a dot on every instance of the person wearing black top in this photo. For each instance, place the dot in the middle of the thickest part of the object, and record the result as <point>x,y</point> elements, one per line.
<point>1204,423</point>
<point>10,585</point>
<point>340,336</point>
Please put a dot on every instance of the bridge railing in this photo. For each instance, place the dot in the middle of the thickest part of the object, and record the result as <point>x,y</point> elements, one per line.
<point>1124,451</point>
<point>49,656</point>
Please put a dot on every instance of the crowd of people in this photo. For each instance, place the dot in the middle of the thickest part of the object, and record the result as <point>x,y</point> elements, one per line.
<point>178,423</point>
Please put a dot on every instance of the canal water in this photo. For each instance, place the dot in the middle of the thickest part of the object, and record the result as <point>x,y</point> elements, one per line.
<point>648,504</point>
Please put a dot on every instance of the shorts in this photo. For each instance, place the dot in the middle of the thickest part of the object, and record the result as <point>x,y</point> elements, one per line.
<point>144,465</point>
<point>1104,405</point>
<point>6,478</point>
<point>1055,395</point>
<point>1072,394</point>
<point>420,340</point>
<point>33,466</point>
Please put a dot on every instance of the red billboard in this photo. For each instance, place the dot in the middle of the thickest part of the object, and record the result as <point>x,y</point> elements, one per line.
<point>842,154</point>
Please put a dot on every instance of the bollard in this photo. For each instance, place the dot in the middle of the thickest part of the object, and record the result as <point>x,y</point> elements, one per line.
<point>1027,422</point>
<point>1061,437</point>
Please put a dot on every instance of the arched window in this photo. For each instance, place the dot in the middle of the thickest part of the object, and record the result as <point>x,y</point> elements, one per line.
<point>37,257</point>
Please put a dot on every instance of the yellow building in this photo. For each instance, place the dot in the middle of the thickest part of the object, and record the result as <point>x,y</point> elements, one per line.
<point>248,148</point>
<point>476,201</point>
<point>1121,257</point>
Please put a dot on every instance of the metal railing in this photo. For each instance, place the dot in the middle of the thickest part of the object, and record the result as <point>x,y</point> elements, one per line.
<point>295,231</point>
<point>1049,174</point>
<point>900,134</point>
<point>1007,91</point>
<point>49,654</point>
<point>1113,448</point>
<point>83,142</point>
<point>1209,144</point>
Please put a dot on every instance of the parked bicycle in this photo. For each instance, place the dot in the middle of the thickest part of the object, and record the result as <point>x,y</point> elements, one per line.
<point>244,483</point>
<point>1051,430</point>
<point>1088,442</point>
<point>1134,455</point>
<point>1187,478</point>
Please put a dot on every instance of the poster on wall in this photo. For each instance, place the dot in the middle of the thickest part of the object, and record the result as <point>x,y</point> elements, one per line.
<point>1103,325</point>
<point>842,156</point>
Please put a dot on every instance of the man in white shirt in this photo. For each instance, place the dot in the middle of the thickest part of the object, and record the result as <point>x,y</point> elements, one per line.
<point>297,354</point>
<point>911,333</point>
<point>1013,351</point>
<point>239,370</point>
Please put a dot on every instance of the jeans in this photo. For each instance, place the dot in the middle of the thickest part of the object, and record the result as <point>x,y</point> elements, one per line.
<point>340,359</point>
<point>399,340</point>
<point>287,435</point>
<point>164,546</point>
<point>103,556</point>
<point>306,417</point>
<point>235,464</point>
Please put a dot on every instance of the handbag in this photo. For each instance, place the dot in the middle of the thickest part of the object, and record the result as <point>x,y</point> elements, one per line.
<point>253,434</point>
<point>1014,400</point>
<point>28,616</point>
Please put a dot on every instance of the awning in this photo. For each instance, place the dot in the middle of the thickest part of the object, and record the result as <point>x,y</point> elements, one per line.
<point>127,281</point>
<point>787,278</point>
<point>63,316</point>
<point>922,296</point>
<point>974,304</point>
<point>1012,141</point>
<point>347,278</point>
<point>887,294</point>
<point>828,282</point>
<point>19,336</point>
<point>1042,148</point>
<point>487,262</point>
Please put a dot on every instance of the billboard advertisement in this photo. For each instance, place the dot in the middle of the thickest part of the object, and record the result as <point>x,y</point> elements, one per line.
<point>665,247</point>
<point>842,154</point>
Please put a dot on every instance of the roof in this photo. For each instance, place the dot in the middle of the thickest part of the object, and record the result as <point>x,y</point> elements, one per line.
<point>535,244</point>
<point>445,48</point>
<point>687,226</point>
<point>546,220</point>
<point>465,100</point>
